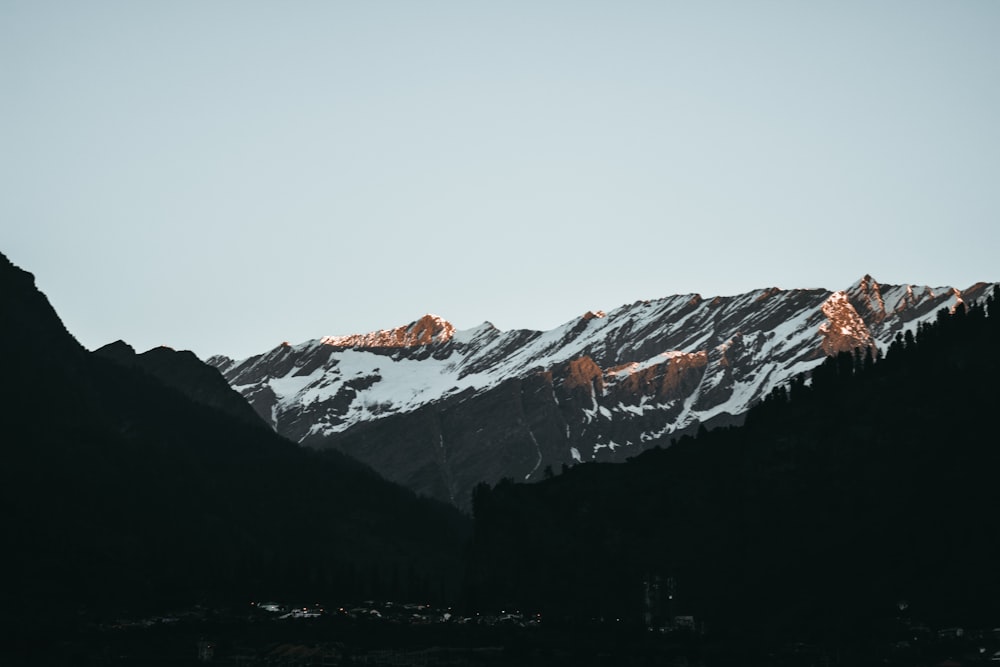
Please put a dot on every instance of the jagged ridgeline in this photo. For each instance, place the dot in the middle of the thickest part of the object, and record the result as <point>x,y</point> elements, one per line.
<point>140,481</point>
<point>440,410</point>
<point>871,482</point>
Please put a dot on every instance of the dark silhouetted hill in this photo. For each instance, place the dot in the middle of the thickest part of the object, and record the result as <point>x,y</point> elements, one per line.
<point>183,371</point>
<point>125,486</point>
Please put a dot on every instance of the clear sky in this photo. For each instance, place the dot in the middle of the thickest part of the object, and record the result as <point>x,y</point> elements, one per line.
<point>223,176</point>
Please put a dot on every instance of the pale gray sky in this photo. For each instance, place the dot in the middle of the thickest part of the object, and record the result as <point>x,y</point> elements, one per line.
<point>223,176</point>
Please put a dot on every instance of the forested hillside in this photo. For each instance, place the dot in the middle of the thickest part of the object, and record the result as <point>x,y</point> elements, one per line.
<point>872,484</point>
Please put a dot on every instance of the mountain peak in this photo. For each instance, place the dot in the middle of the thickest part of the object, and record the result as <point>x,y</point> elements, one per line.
<point>428,330</point>
<point>863,284</point>
<point>28,320</point>
<point>118,351</point>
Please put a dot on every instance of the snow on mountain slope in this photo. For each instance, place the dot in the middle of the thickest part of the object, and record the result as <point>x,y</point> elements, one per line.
<point>411,401</point>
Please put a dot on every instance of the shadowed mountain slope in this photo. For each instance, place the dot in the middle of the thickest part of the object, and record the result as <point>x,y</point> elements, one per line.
<point>122,492</point>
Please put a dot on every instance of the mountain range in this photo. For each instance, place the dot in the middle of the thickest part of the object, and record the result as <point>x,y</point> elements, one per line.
<point>439,410</point>
<point>136,482</point>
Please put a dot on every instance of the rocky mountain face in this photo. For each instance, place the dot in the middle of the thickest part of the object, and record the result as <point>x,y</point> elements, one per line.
<point>440,410</point>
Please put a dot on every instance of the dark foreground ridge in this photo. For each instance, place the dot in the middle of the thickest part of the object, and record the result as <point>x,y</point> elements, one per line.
<point>123,494</point>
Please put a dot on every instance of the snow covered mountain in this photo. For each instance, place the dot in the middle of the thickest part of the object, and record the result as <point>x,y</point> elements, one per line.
<point>440,410</point>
